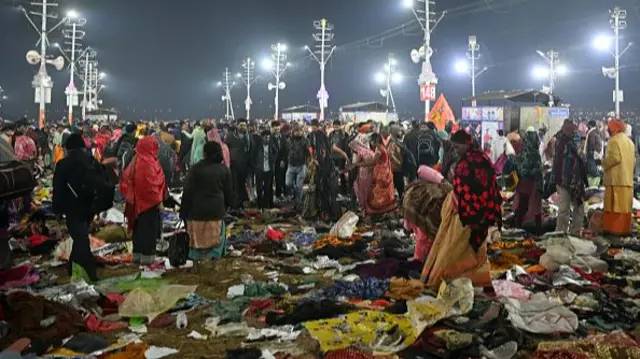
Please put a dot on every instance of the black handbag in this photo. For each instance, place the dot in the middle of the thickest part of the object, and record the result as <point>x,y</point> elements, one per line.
<point>16,180</point>
<point>179,248</point>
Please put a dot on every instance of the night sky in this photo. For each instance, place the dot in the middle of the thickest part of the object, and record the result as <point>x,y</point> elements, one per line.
<point>163,57</point>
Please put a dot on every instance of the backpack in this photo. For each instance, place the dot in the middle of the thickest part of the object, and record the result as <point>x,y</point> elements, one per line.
<point>98,187</point>
<point>178,249</point>
<point>110,150</point>
<point>16,180</point>
<point>427,149</point>
<point>409,165</point>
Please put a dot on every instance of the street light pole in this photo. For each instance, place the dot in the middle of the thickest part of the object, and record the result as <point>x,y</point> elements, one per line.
<point>618,23</point>
<point>425,17</point>
<point>42,83</point>
<point>278,65</point>
<point>227,84</point>
<point>74,34</point>
<point>85,86</point>
<point>248,78</point>
<point>324,50</point>
<point>552,61</point>
<point>387,78</point>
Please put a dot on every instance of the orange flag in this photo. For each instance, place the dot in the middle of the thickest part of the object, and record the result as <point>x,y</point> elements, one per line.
<point>441,113</point>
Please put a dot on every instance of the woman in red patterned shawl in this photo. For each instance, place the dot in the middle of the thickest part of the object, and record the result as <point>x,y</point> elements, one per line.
<point>143,187</point>
<point>474,205</point>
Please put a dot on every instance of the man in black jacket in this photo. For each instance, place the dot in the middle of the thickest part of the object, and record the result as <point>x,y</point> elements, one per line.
<point>263,162</point>
<point>71,198</point>
<point>280,141</point>
<point>240,144</point>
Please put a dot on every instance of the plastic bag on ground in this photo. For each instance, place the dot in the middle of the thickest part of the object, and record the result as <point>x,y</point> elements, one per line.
<point>150,304</point>
<point>345,226</point>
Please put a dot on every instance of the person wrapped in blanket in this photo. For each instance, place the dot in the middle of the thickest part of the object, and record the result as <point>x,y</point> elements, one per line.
<point>474,205</point>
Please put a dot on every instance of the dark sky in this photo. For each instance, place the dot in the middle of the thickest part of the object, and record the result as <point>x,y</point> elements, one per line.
<point>166,55</point>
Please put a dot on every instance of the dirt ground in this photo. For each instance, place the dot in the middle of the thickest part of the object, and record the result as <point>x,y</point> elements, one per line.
<point>213,279</point>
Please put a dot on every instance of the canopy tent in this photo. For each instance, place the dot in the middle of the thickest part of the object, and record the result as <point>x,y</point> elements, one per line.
<point>511,97</point>
<point>302,112</point>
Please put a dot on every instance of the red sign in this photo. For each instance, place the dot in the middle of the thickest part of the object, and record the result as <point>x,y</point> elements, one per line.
<point>427,93</point>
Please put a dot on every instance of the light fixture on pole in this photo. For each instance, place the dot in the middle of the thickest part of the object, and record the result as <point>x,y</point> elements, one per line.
<point>278,65</point>
<point>551,72</point>
<point>72,35</point>
<point>389,77</point>
<point>423,11</point>
<point>604,43</point>
<point>249,78</point>
<point>42,82</point>
<point>469,67</point>
<point>322,53</point>
<point>227,83</point>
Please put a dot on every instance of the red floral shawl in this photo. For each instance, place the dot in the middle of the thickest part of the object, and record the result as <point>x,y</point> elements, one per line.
<point>477,193</point>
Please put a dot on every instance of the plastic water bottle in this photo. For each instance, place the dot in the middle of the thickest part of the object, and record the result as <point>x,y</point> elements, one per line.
<point>181,321</point>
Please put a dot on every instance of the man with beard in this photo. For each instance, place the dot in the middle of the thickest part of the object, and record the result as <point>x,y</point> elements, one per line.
<point>240,144</point>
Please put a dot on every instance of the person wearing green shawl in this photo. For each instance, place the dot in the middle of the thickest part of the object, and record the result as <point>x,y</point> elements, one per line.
<point>528,196</point>
<point>444,136</point>
<point>197,148</point>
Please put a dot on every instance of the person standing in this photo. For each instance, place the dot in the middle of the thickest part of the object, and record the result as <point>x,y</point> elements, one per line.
<point>593,154</point>
<point>240,144</point>
<point>618,168</point>
<point>264,162</point>
<point>280,170</point>
<point>214,136</point>
<point>207,195</point>
<point>570,175</point>
<point>528,198</point>
<point>144,189</point>
<point>74,202</point>
<point>497,146</point>
<point>338,138</point>
<point>428,145</point>
<point>396,157</point>
<point>297,169</point>
<point>197,147</point>
<point>185,147</point>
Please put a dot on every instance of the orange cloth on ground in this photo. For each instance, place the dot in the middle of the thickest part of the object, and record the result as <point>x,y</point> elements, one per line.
<point>131,351</point>
<point>404,289</point>
<point>452,256</point>
<point>618,205</point>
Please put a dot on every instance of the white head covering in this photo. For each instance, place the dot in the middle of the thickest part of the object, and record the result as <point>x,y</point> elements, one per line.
<point>628,131</point>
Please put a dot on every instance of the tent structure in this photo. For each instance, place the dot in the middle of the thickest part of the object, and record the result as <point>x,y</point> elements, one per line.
<point>511,98</point>
<point>302,112</point>
<point>364,111</point>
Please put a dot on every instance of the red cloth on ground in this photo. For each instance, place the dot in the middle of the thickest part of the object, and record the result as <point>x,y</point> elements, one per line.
<point>142,184</point>
<point>274,234</point>
<point>96,325</point>
<point>15,273</point>
<point>36,240</point>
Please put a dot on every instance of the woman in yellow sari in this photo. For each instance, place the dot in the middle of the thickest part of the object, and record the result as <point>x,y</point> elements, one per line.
<point>618,167</point>
<point>460,249</point>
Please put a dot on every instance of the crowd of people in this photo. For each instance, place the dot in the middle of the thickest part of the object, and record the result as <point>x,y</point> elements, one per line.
<point>324,170</point>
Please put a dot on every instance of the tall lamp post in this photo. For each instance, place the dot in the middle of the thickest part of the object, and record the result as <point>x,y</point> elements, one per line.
<point>278,65</point>
<point>469,67</point>
<point>72,34</point>
<point>389,77</point>
<point>227,83</point>
<point>322,53</point>
<point>604,43</point>
<point>551,72</point>
<point>249,78</point>
<point>423,11</point>
<point>42,82</point>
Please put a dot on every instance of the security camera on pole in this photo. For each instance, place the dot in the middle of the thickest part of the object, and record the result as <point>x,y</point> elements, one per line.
<point>72,34</point>
<point>388,77</point>
<point>322,53</point>
<point>469,67</point>
<point>427,79</point>
<point>604,43</point>
<point>551,73</point>
<point>278,65</point>
<point>249,78</point>
<point>42,82</point>
<point>227,83</point>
